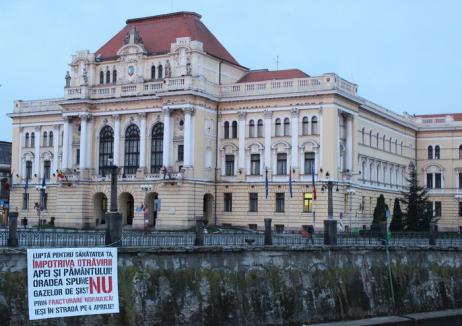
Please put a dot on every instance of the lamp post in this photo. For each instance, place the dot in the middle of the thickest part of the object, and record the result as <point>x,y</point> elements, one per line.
<point>113,217</point>
<point>330,225</point>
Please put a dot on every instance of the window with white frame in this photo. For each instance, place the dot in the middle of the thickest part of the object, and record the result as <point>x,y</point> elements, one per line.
<point>260,128</point>
<point>255,164</point>
<point>281,164</point>
<point>305,126</point>
<point>229,165</point>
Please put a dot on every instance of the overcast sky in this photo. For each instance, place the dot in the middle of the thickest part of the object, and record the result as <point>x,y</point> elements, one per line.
<point>405,55</point>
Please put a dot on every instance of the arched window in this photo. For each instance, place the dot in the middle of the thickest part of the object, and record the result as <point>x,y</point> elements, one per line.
<point>437,152</point>
<point>251,129</point>
<point>260,128</point>
<point>32,139</point>
<point>132,149</point>
<point>384,142</point>
<point>108,77</point>
<point>153,72</point>
<point>101,77</point>
<point>396,146</point>
<point>106,149</point>
<point>362,136</point>
<point>430,152</point>
<point>286,126</point>
<point>377,141</point>
<point>50,139</point>
<point>389,144</point>
<point>234,129</point>
<point>370,138</point>
<point>61,138</point>
<point>114,76</point>
<point>305,126</point>
<point>314,126</point>
<point>27,140</point>
<point>226,130</point>
<point>460,151</point>
<point>159,72</point>
<point>277,130</point>
<point>157,143</point>
<point>45,139</point>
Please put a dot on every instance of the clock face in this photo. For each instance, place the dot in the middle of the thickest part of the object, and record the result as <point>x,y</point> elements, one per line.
<point>131,70</point>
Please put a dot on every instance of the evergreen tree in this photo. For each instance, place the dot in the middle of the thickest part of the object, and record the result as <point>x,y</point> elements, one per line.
<point>379,213</point>
<point>418,214</point>
<point>397,220</point>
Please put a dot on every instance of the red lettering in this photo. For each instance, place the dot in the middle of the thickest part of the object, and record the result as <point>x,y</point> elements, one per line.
<point>101,283</point>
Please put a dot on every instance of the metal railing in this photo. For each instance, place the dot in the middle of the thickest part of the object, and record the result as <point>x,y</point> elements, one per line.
<point>132,238</point>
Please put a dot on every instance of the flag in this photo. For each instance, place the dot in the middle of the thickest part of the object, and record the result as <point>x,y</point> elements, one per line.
<point>266,182</point>
<point>313,184</point>
<point>290,183</point>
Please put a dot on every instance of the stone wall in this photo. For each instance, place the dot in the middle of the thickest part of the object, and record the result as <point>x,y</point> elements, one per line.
<point>258,286</point>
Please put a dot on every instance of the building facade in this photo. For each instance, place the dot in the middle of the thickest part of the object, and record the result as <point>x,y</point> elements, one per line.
<point>197,134</point>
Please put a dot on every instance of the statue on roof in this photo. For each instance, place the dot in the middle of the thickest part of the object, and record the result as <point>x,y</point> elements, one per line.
<point>133,37</point>
<point>168,69</point>
<point>68,79</point>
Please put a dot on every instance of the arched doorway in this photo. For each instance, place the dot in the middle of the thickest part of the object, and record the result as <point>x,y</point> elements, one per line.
<point>127,207</point>
<point>99,207</point>
<point>152,205</point>
<point>208,207</point>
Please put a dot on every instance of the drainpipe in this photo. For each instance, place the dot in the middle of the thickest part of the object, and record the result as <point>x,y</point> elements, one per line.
<point>216,147</point>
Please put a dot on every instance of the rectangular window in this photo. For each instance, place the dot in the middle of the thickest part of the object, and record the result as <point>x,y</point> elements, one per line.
<point>437,208</point>
<point>429,180</point>
<point>460,208</point>
<point>25,201</point>
<point>280,202</point>
<point>28,169</point>
<point>438,180</point>
<point>180,153</point>
<point>460,180</point>
<point>228,201</point>
<point>282,164</point>
<point>255,164</point>
<point>46,169</point>
<point>43,200</point>
<point>307,202</point>
<point>77,156</point>
<point>253,202</point>
<point>309,163</point>
<point>229,165</point>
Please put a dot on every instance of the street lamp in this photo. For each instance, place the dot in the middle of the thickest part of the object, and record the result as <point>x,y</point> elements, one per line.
<point>113,217</point>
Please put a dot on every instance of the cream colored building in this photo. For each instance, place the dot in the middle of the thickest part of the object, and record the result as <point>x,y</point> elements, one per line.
<point>197,134</point>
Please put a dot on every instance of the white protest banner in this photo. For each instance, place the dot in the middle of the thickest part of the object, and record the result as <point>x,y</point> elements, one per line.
<point>72,282</point>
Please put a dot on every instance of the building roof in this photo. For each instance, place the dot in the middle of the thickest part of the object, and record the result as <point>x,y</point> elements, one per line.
<point>454,116</point>
<point>159,32</point>
<point>265,74</point>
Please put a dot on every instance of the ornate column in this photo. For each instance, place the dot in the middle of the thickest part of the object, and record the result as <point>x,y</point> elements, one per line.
<point>268,124</point>
<point>294,127</point>
<point>116,150</point>
<point>83,141</point>
<point>55,148</point>
<point>349,143</point>
<point>89,152</point>
<point>142,117</point>
<point>188,135</point>
<point>38,138</point>
<point>65,145</point>
<point>167,138</point>
<point>241,115</point>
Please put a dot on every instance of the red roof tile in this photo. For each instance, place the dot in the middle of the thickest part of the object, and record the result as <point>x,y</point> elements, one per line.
<point>261,75</point>
<point>159,32</point>
<point>455,116</point>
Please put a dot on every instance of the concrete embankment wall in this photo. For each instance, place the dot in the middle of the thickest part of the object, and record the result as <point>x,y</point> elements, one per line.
<point>258,286</point>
